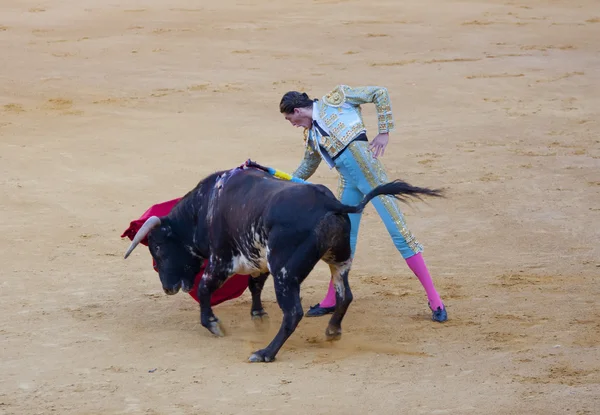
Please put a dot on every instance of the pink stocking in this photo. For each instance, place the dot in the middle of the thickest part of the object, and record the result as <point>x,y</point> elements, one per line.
<point>329,300</point>
<point>417,265</point>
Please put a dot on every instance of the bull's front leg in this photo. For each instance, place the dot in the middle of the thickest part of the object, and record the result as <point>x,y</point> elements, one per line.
<point>256,284</point>
<point>213,278</point>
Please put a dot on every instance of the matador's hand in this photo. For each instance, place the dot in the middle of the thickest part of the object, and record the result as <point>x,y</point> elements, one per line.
<point>379,144</point>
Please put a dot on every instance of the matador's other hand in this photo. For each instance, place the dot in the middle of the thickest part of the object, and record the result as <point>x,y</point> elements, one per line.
<point>379,144</point>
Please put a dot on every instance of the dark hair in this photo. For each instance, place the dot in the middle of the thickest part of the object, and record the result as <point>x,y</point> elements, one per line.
<point>292,100</point>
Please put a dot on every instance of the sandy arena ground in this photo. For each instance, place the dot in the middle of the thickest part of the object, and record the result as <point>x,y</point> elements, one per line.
<point>109,107</point>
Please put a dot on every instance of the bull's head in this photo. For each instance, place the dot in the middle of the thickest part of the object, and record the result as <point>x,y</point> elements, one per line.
<point>176,264</point>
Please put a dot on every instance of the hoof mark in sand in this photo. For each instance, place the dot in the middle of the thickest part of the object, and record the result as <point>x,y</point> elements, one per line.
<point>36,10</point>
<point>377,35</point>
<point>593,20</point>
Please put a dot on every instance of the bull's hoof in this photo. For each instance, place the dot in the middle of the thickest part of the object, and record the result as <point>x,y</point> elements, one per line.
<point>260,356</point>
<point>259,315</point>
<point>215,328</point>
<point>261,320</point>
<point>333,334</point>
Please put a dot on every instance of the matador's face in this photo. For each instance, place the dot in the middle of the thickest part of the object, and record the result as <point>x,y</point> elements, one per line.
<point>301,117</point>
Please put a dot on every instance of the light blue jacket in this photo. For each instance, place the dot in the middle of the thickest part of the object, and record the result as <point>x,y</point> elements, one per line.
<point>340,112</point>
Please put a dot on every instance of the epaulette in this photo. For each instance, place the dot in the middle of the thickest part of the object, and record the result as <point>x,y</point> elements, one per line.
<point>336,97</point>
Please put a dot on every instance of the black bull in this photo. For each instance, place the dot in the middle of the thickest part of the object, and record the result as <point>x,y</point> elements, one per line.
<point>246,221</point>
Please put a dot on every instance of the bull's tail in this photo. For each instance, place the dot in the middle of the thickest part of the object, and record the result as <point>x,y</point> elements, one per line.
<point>397,188</point>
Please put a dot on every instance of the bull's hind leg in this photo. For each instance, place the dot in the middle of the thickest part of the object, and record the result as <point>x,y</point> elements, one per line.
<point>256,284</point>
<point>288,274</point>
<point>343,298</point>
<point>339,258</point>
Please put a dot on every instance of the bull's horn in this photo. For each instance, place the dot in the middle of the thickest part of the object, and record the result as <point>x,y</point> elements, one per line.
<point>151,222</point>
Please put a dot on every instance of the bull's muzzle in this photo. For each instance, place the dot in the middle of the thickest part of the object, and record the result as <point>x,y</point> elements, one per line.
<point>172,290</point>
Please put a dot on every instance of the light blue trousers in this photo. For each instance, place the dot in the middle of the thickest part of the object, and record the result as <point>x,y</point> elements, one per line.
<point>360,172</point>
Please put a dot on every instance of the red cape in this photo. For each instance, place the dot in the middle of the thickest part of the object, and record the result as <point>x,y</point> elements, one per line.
<point>232,288</point>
